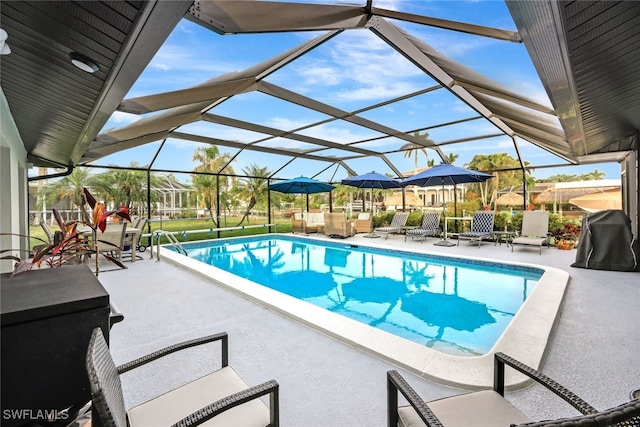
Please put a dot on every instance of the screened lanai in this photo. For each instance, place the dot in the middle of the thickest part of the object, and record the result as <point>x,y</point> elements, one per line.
<point>324,89</point>
<point>402,88</point>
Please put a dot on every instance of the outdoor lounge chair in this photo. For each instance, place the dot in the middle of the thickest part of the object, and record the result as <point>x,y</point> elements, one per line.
<point>535,230</point>
<point>488,408</point>
<point>222,398</point>
<point>397,224</point>
<point>363,222</point>
<point>337,225</point>
<point>482,227</point>
<point>430,227</point>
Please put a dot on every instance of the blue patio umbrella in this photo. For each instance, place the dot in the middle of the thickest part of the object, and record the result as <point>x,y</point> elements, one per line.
<point>301,185</point>
<point>372,180</point>
<point>445,174</point>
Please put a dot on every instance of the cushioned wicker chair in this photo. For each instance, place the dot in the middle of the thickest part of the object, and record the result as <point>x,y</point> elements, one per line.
<point>430,227</point>
<point>222,398</point>
<point>488,408</point>
<point>337,225</point>
<point>482,227</point>
<point>398,222</point>
<point>364,222</point>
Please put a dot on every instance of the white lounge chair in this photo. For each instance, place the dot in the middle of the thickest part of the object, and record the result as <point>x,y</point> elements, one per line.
<point>535,230</point>
<point>482,227</point>
<point>430,227</point>
<point>398,222</point>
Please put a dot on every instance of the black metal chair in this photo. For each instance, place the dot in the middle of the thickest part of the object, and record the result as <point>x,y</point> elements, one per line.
<point>222,398</point>
<point>488,408</point>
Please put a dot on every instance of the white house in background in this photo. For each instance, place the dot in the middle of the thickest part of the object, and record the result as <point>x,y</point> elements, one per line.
<point>434,196</point>
<point>174,197</point>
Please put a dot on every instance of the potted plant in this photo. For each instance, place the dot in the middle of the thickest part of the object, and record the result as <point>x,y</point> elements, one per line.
<point>70,246</point>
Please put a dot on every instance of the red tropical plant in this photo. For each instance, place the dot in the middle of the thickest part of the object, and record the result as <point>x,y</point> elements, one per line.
<point>69,245</point>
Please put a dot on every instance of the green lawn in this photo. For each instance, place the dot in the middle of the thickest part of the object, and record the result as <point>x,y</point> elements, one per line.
<point>180,226</point>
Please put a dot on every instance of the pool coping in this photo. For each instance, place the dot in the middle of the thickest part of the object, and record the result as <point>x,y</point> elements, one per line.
<point>525,338</point>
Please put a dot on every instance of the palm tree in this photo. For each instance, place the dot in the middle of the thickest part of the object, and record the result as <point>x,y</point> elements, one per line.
<point>70,187</point>
<point>125,187</point>
<point>254,187</point>
<point>594,175</point>
<point>206,185</point>
<point>413,149</point>
<point>492,162</point>
<point>452,157</point>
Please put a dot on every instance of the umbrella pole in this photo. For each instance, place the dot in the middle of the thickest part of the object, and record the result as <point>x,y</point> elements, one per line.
<point>455,206</point>
<point>373,234</point>
<point>445,241</point>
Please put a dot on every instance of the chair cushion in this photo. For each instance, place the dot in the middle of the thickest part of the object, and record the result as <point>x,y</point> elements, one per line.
<point>536,241</point>
<point>171,407</point>
<point>475,234</point>
<point>480,409</point>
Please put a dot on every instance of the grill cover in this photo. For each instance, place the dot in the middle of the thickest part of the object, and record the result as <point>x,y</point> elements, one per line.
<point>607,243</point>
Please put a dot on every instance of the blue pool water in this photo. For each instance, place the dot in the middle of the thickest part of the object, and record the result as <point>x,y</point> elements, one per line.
<point>451,305</point>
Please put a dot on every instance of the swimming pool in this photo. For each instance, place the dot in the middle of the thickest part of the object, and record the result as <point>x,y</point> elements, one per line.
<point>455,306</point>
<point>439,344</point>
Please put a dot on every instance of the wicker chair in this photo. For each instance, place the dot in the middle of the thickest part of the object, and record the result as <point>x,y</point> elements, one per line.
<point>364,222</point>
<point>221,394</point>
<point>482,227</point>
<point>488,408</point>
<point>337,225</point>
<point>430,227</point>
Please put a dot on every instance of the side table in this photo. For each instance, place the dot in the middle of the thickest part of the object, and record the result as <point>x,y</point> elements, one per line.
<point>503,236</point>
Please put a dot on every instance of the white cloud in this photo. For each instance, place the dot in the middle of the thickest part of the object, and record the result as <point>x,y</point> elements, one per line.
<point>387,4</point>
<point>320,73</point>
<point>358,66</point>
<point>174,57</point>
<point>376,91</point>
<point>122,119</point>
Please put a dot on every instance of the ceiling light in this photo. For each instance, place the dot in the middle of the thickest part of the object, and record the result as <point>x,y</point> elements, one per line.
<point>4,47</point>
<point>84,63</point>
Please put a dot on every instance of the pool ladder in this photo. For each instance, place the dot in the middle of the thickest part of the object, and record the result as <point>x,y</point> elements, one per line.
<point>172,240</point>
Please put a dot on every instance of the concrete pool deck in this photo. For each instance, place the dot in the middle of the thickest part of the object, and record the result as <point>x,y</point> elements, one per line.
<point>525,338</point>
<point>326,382</point>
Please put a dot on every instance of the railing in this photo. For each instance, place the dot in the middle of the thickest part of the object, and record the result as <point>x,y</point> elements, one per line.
<point>180,249</point>
<point>172,240</point>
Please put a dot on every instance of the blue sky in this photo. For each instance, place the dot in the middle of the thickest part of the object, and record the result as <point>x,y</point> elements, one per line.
<point>352,70</point>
